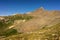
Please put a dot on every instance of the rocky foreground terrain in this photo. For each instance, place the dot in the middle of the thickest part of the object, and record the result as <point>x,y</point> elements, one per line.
<point>36,25</point>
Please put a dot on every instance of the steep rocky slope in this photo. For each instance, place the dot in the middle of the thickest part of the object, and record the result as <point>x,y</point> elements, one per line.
<point>41,18</point>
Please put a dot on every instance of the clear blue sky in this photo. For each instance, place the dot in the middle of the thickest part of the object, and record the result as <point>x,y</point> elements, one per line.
<point>8,7</point>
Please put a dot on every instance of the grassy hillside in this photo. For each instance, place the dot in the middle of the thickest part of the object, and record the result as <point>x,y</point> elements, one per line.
<point>47,33</point>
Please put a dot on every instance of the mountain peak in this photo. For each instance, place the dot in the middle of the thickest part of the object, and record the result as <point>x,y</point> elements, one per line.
<point>41,8</point>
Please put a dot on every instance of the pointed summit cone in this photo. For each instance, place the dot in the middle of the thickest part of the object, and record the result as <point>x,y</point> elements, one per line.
<point>41,9</point>
<point>37,12</point>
